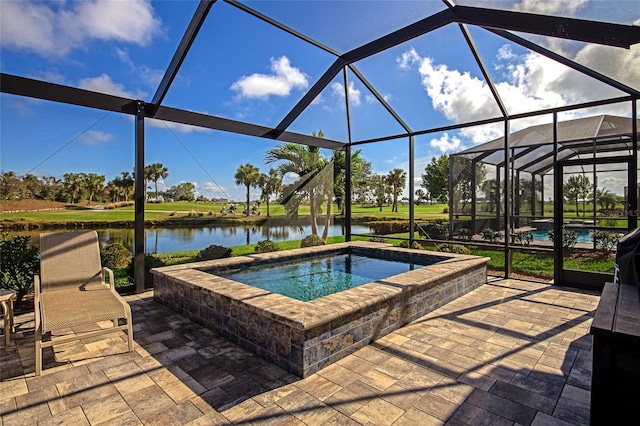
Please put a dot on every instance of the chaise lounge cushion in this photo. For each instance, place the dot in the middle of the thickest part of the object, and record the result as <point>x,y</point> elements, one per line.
<point>90,305</point>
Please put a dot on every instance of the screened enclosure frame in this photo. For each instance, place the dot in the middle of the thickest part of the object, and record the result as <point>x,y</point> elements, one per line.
<point>541,151</point>
<point>499,22</point>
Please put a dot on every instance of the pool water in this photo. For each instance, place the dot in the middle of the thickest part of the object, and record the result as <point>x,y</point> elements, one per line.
<point>311,278</point>
<point>583,236</point>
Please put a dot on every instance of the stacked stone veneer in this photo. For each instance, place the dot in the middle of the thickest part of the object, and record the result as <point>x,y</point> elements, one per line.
<point>303,337</point>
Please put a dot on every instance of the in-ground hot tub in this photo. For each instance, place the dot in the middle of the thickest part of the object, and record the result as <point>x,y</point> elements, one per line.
<point>304,336</point>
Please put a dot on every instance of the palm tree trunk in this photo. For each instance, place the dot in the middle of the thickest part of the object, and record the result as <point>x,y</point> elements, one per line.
<point>155,182</point>
<point>312,212</point>
<point>248,201</point>
<point>327,221</point>
<point>268,213</point>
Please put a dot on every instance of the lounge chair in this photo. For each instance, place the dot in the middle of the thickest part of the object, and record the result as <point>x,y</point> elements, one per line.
<point>71,291</point>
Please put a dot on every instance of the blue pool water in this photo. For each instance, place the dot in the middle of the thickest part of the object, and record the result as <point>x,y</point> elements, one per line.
<point>583,236</point>
<point>311,278</point>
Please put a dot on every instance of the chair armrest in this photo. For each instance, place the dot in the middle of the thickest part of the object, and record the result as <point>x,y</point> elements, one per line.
<point>112,283</point>
<point>36,300</point>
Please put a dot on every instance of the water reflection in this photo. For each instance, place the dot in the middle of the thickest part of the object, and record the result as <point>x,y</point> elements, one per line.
<point>162,240</point>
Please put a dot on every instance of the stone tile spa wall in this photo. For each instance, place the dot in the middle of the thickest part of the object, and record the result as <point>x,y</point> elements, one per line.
<point>304,337</point>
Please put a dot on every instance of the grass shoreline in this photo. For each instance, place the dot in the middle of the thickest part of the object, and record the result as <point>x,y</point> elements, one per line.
<point>184,214</point>
<point>535,266</point>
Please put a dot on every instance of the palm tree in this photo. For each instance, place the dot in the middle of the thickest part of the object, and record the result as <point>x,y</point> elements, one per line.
<point>93,183</point>
<point>397,179</point>
<point>74,184</point>
<point>271,184</point>
<point>606,198</point>
<point>335,188</point>
<point>248,175</point>
<point>127,183</point>
<point>154,172</point>
<point>379,186</point>
<point>310,166</point>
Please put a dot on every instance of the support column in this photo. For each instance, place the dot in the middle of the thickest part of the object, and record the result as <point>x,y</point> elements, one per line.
<point>474,198</point>
<point>140,184</point>
<point>542,195</point>
<point>498,192</point>
<point>517,200</point>
<point>508,175</point>
<point>347,161</point>
<point>634,203</point>
<point>533,195</point>
<point>451,160</point>
<point>411,190</point>
<point>347,193</point>
<point>558,261</point>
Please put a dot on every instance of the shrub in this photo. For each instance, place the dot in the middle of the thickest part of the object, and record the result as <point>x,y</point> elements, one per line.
<point>606,240</point>
<point>453,248</point>
<point>435,231</point>
<point>608,222</point>
<point>445,209</point>
<point>569,238</point>
<point>491,235</point>
<point>464,234</point>
<point>523,237</point>
<point>150,261</point>
<point>384,227</point>
<point>266,246</point>
<point>311,241</point>
<point>115,256</point>
<point>19,262</point>
<point>378,240</point>
<point>416,245</point>
<point>213,252</point>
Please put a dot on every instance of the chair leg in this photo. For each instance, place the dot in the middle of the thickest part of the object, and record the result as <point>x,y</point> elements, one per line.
<point>38,338</point>
<point>130,334</point>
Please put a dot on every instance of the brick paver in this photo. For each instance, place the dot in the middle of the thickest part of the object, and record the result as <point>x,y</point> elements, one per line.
<point>510,352</point>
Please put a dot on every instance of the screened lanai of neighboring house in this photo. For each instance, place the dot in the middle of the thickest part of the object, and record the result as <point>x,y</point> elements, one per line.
<point>348,61</point>
<point>597,150</point>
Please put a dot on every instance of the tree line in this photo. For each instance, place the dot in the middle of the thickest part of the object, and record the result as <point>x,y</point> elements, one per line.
<point>76,187</point>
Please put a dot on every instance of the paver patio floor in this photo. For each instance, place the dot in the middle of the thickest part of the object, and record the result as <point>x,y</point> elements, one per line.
<point>510,352</point>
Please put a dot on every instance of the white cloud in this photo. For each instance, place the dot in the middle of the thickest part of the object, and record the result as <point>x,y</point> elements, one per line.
<point>151,77</point>
<point>446,143</point>
<point>528,82</point>
<point>354,94</point>
<point>56,28</point>
<point>96,138</point>
<point>52,76</point>
<point>178,127</point>
<point>550,7</point>
<point>280,82</point>
<point>104,84</point>
<point>620,64</point>
<point>407,59</point>
<point>211,190</point>
<point>372,99</point>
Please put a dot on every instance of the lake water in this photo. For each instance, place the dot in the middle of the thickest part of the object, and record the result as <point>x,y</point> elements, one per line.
<point>163,240</point>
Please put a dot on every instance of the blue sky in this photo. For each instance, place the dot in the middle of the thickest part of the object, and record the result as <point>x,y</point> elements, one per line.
<point>244,69</point>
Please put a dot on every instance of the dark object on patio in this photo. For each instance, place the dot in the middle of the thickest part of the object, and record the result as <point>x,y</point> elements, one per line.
<point>615,377</point>
<point>628,259</point>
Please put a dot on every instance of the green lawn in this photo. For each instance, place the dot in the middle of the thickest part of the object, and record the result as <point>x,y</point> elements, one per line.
<point>202,211</point>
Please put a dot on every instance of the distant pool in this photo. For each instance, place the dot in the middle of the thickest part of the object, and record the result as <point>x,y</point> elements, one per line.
<point>583,236</point>
<point>309,279</point>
